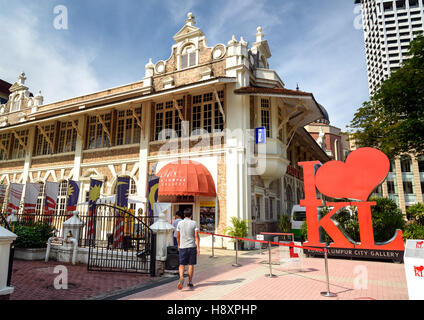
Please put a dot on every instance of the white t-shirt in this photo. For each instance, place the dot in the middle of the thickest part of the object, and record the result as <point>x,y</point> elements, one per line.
<point>187,229</point>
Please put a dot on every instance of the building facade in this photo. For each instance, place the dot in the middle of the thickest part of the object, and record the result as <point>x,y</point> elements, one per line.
<point>405,181</point>
<point>330,138</point>
<point>202,104</point>
<point>389,27</point>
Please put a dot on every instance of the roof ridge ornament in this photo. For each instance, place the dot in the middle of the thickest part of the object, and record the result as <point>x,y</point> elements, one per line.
<point>190,19</point>
<point>259,34</point>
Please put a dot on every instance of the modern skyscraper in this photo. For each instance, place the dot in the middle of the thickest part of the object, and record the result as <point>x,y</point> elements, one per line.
<point>389,27</point>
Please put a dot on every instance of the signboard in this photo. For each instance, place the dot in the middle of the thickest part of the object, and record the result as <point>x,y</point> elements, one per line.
<point>208,216</point>
<point>414,268</point>
<point>290,255</point>
<point>260,237</point>
<point>260,135</point>
<point>354,179</point>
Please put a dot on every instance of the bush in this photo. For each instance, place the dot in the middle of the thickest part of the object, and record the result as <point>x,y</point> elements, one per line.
<point>32,236</point>
<point>386,219</point>
<point>416,212</point>
<point>414,231</point>
<point>239,228</point>
<point>284,224</point>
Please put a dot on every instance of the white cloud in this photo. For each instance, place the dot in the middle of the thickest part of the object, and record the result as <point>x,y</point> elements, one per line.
<point>52,66</point>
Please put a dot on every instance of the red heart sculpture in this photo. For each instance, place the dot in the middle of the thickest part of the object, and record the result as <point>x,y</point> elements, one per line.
<point>364,170</point>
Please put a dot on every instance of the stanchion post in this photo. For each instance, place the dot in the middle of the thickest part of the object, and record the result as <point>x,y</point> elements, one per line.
<point>237,264</point>
<point>270,275</point>
<point>328,293</point>
<point>213,248</point>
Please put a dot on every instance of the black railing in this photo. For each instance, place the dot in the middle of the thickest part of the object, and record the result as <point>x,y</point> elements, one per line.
<point>138,240</point>
<point>118,241</point>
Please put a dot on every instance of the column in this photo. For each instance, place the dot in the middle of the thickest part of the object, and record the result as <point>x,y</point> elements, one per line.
<point>28,155</point>
<point>399,180</point>
<point>143,173</point>
<point>79,148</point>
<point>417,180</point>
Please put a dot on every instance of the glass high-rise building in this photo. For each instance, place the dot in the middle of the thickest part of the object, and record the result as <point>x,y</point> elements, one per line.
<point>389,26</point>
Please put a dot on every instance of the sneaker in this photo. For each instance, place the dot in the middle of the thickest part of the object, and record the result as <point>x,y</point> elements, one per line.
<point>190,285</point>
<point>180,284</point>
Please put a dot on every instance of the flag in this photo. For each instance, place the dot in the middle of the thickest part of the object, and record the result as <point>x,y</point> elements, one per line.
<point>122,192</point>
<point>50,200</point>
<point>32,191</point>
<point>94,195</point>
<point>3,189</point>
<point>15,195</point>
<point>152,192</point>
<point>73,194</point>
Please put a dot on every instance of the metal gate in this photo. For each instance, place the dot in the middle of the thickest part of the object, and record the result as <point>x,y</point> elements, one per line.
<point>118,241</point>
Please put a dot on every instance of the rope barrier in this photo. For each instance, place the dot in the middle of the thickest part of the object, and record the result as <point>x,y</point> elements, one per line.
<point>266,242</point>
<point>327,293</point>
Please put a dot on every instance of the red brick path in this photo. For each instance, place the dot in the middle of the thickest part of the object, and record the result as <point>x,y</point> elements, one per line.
<point>33,280</point>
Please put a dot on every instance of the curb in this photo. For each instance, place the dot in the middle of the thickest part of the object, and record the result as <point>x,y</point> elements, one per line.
<point>116,295</point>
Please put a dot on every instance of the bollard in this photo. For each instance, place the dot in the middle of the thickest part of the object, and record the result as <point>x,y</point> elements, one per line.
<point>270,275</point>
<point>328,293</point>
<point>213,247</point>
<point>236,264</point>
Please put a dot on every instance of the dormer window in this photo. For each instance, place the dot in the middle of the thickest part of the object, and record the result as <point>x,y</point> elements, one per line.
<point>188,57</point>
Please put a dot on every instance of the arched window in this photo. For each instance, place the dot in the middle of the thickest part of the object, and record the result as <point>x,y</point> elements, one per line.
<point>289,199</point>
<point>188,56</point>
<point>299,195</point>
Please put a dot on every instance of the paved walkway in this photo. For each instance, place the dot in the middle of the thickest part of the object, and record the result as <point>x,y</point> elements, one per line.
<point>34,280</point>
<point>216,279</point>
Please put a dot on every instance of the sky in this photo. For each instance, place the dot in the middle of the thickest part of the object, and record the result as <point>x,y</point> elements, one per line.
<point>107,43</point>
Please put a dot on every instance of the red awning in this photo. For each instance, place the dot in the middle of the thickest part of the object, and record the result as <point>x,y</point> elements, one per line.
<point>186,178</point>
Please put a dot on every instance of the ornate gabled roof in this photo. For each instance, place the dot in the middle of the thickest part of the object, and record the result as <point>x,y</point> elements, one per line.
<point>189,30</point>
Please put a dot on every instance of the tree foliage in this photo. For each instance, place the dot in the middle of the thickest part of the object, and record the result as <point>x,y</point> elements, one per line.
<point>393,119</point>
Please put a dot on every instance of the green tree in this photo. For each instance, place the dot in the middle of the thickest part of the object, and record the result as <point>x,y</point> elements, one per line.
<point>393,119</point>
<point>416,212</point>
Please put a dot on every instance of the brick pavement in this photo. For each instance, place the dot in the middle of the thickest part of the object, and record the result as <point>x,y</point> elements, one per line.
<point>216,279</point>
<point>34,280</point>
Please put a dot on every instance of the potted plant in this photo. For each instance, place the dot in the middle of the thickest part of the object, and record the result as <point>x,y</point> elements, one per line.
<point>238,229</point>
<point>31,242</point>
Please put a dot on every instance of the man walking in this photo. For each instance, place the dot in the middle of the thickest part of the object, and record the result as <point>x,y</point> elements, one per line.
<point>189,247</point>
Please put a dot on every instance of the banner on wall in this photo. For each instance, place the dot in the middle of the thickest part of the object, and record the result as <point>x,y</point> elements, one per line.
<point>208,216</point>
<point>74,188</point>
<point>15,195</point>
<point>50,202</point>
<point>152,192</point>
<point>32,192</point>
<point>93,195</point>
<point>122,193</point>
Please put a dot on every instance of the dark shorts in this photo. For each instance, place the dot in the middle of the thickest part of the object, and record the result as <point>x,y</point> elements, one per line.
<point>188,257</point>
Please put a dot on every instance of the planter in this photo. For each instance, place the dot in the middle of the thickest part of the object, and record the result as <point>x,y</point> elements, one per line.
<point>30,254</point>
